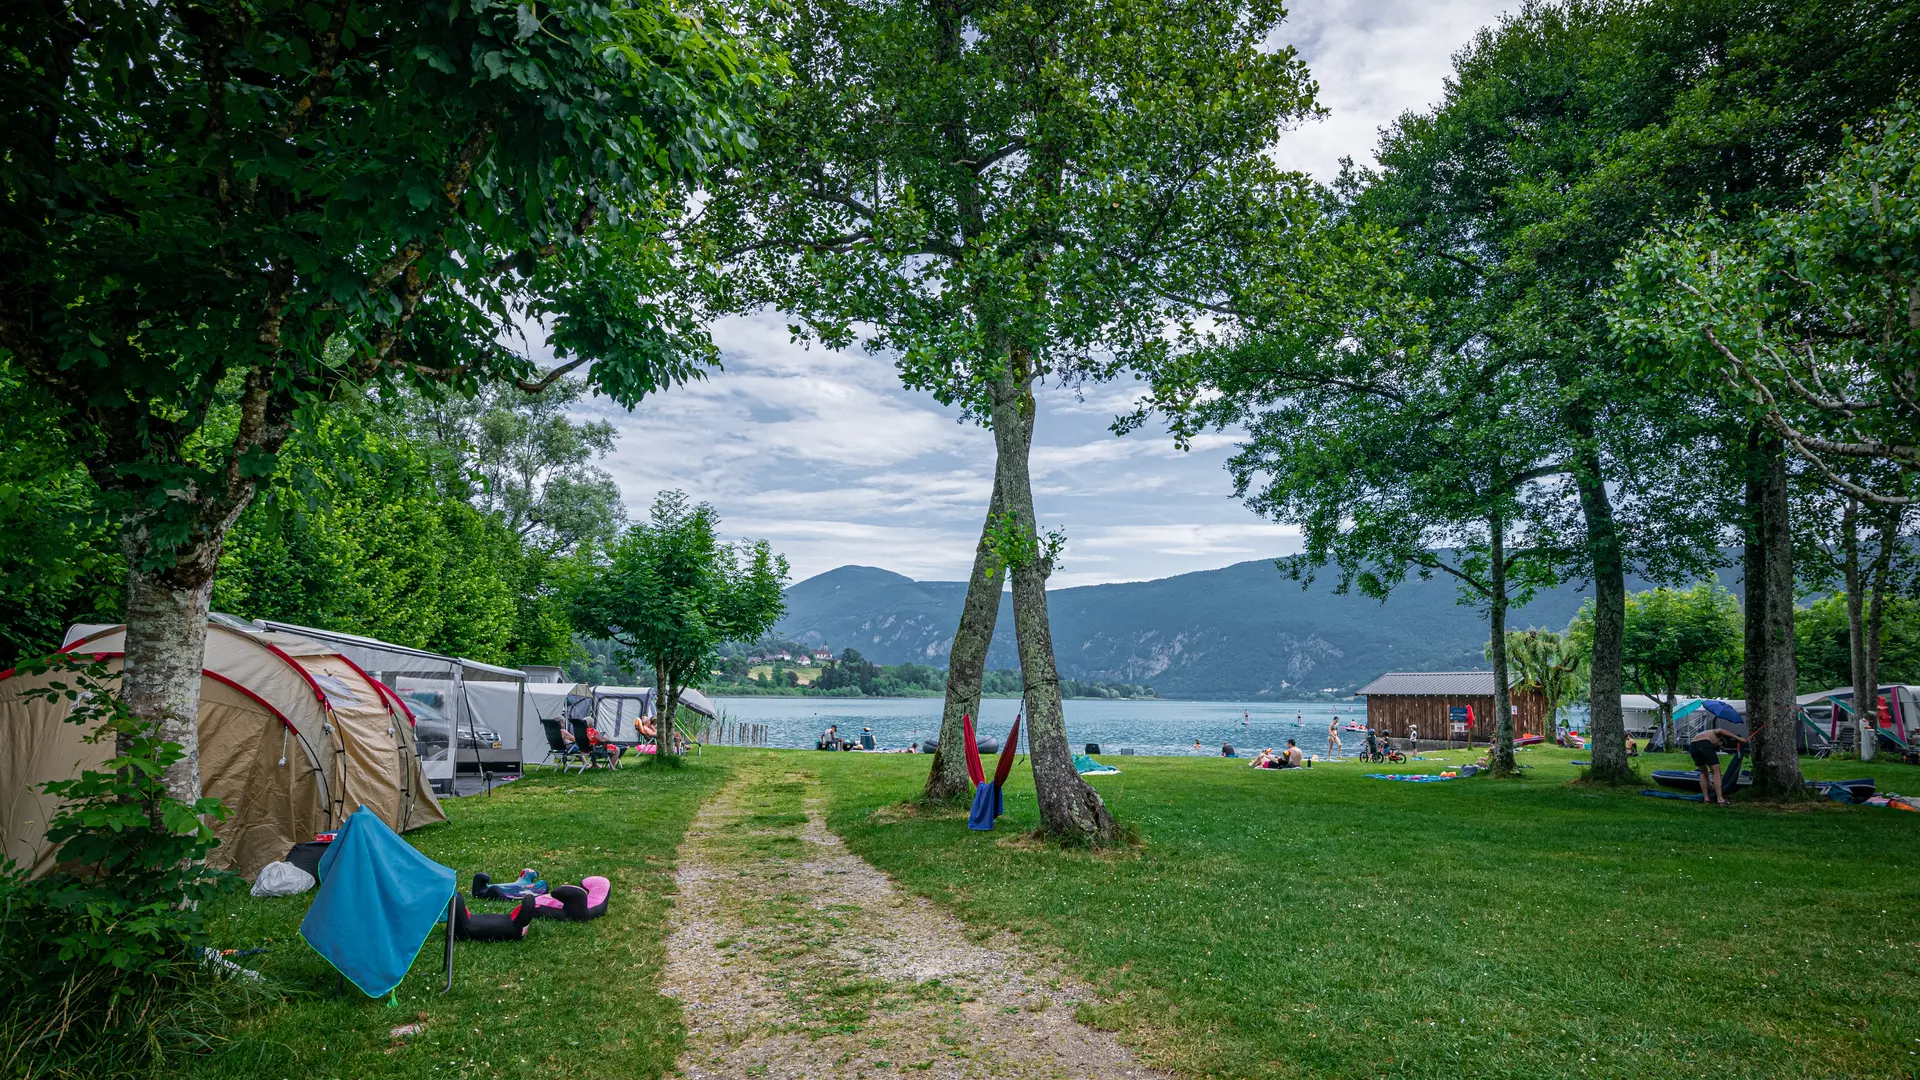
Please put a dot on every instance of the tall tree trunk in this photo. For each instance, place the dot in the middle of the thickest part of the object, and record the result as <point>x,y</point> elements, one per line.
<point>967,659</point>
<point>1607,728</point>
<point>166,647</point>
<point>1769,623</point>
<point>1503,764</point>
<point>1861,679</point>
<point>1666,706</point>
<point>1070,809</point>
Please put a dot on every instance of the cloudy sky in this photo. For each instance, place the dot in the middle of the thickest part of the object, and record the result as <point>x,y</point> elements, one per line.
<point>825,455</point>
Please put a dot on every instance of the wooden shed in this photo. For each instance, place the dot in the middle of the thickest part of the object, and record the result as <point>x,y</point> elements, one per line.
<point>1434,700</point>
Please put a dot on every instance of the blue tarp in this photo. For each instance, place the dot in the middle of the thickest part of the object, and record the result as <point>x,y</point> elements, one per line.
<point>379,900</point>
<point>1086,766</point>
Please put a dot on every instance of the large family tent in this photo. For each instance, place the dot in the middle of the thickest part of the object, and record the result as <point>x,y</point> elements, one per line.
<point>449,727</point>
<point>293,738</point>
<point>1893,718</point>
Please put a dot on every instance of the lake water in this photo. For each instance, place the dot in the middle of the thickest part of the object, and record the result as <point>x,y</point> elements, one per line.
<point>1145,727</point>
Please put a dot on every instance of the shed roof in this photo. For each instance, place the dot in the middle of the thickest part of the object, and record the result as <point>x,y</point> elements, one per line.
<point>1431,684</point>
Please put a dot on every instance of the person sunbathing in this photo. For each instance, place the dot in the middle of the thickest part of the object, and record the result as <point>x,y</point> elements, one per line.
<point>1293,758</point>
<point>1263,760</point>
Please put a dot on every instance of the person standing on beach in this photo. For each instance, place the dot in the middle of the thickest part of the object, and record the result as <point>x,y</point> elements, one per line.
<point>1333,737</point>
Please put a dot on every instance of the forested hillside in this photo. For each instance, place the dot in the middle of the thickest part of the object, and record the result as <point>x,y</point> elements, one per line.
<point>1243,630</point>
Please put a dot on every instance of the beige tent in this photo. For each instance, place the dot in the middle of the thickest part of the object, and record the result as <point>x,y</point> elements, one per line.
<point>293,738</point>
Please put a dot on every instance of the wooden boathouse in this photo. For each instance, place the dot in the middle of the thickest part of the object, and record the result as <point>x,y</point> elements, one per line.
<point>1434,701</point>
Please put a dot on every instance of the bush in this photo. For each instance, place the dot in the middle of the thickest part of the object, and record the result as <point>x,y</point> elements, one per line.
<point>99,961</point>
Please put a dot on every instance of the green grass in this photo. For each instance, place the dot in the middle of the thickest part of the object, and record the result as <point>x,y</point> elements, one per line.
<point>570,1000</point>
<point>1322,924</point>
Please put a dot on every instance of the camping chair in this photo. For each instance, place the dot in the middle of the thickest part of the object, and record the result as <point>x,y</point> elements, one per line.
<point>558,753</point>
<point>588,753</point>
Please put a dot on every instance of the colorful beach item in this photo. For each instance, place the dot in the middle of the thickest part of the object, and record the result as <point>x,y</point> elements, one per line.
<point>1413,778</point>
<point>987,803</point>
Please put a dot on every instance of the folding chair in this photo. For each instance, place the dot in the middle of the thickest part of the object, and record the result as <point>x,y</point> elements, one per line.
<point>587,752</point>
<point>558,753</point>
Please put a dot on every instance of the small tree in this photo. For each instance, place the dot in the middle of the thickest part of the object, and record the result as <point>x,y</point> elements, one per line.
<point>670,593</point>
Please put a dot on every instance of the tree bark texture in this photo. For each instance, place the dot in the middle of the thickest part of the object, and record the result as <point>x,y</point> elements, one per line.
<point>967,660</point>
<point>1607,728</point>
<point>1069,808</point>
<point>166,649</point>
<point>1864,691</point>
<point>1503,764</point>
<point>1769,670</point>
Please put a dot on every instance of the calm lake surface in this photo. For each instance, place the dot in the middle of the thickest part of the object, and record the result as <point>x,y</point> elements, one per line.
<point>1145,727</point>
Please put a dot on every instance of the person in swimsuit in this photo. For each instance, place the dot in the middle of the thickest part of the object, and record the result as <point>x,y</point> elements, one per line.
<point>1705,749</point>
<point>1333,736</point>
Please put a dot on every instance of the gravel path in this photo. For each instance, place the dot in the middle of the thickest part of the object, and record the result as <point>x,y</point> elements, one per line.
<point>795,958</point>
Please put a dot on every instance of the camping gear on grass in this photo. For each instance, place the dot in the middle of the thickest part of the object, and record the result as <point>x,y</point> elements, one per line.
<point>489,926</point>
<point>575,903</point>
<point>293,736</point>
<point>282,879</point>
<point>378,903</point>
<point>530,883</point>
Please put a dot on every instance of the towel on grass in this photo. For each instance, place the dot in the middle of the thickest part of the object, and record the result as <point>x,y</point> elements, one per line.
<point>1411,778</point>
<point>379,900</point>
<point>1086,766</point>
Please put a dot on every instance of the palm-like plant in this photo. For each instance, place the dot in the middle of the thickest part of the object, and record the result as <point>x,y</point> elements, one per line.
<point>1547,662</point>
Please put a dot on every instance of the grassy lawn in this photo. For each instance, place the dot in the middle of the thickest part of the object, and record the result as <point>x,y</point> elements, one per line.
<point>1322,924</point>
<point>570,1000</point>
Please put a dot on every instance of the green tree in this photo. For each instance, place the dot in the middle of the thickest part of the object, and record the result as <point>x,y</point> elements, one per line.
<point>223,214</point>
<point>669,592</point>
<point>1805,320</point>
<point>1002,193</point>
<point>1677,639</point>
<point>1548,664</point>
<point>353,533</point>
<point>1823,643</point>
<point>58,561</point>
<point>521,457</point>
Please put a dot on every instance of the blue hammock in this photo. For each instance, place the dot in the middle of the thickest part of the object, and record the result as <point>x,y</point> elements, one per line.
<point>378,902</point>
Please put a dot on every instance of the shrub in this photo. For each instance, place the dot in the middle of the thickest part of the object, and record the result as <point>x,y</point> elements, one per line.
<point>99,961</point>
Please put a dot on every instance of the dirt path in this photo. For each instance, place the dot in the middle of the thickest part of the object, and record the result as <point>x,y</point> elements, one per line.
<point>795,958</point>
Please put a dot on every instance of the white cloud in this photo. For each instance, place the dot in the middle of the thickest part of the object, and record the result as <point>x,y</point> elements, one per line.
<point>1373,59</point>
<point>825,455</point>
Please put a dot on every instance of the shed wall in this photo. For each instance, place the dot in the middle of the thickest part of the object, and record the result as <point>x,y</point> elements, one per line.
<point>1393,714</point>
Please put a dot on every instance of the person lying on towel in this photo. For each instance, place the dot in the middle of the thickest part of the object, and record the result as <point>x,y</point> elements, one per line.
<point>1264,760</point>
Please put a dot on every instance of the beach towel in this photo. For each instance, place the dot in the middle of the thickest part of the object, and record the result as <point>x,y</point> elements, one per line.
<point>379,900</point>
<point>1086,766</point>
<point>1411,778</point>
